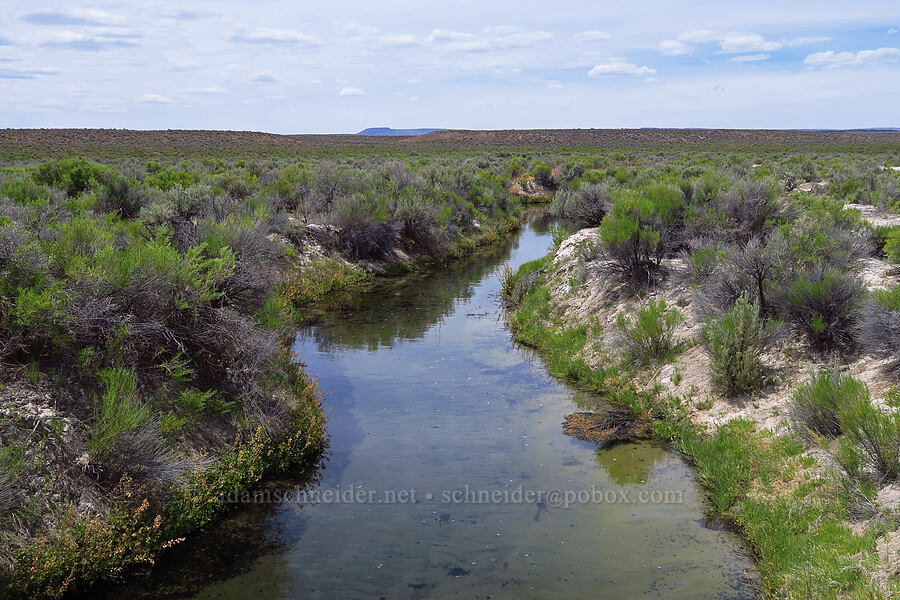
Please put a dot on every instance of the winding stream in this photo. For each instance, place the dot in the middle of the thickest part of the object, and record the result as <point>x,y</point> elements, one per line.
<point>449,475</point>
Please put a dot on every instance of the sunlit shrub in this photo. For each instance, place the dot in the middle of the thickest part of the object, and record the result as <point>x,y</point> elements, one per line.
<point>817,404</point>
<point>649,336</point>
<point>72,175</point>
<point>735,341</point>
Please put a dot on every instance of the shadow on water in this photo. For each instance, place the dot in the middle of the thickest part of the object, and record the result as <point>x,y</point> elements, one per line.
<point>428,397</point>
<point>227,546</point>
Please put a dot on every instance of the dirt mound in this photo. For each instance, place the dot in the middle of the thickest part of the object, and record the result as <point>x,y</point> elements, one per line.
<point>618,424</point>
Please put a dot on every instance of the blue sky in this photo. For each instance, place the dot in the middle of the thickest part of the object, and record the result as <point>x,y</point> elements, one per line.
<point>341,66</point>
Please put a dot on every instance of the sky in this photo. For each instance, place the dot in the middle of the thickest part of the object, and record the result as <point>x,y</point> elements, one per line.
<point>341,66</point>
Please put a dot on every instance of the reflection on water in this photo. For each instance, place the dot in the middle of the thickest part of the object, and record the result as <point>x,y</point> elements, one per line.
<point>630,464</point>
<point>403,308</point>
<point>449,474</point>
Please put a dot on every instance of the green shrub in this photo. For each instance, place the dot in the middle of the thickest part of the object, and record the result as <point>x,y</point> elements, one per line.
<point>825,304</point>
<point>817,404</point>
<point>194,402</point>
<point>892,246</point>
<point>735,341</point>
<point>72,175</point>
<point>641,229</point>
<point>515,166</point>
<point>24,190</point>
<point>38,317</point>
<point>881,235</point>
<point>871,444</point>
<point>751,209</point>
<point>650,335</point>
<point>167,178</point>
<point>543,174</point>
<point>121,195</point>
<point>629,235</point>
<point>889,298</point>
<point>586,206</point>
<point>824,233</point>
<point>558,234</point>
<point>703,262</point>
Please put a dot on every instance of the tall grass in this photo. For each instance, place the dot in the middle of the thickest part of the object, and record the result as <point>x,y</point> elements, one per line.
<point>649,336</point>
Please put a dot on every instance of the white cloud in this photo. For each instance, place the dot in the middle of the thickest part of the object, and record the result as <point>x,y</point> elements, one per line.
<point>751,57</point>
<point>731,42</point>
<point>355,29</point>
<point>502,37</point>
<point>96,42</point>
<point>589,36</point>
<point>803,41</point>
<point>207,90</point>
<point>155,99</point>
<point>26,73</point>
<point>831,59</point>
<point>268,35</point>
<point>701,36</point>
<point>674,48</point>
<point>739,43</point>
<point>619,67</point>
<point>399,39</point>
<point>445,35</point>
<point>75,17</point>
<point>893,30</point>
<point>351,91</point>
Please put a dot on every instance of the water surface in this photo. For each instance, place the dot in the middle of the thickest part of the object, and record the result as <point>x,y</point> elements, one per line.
<point>438,421</point>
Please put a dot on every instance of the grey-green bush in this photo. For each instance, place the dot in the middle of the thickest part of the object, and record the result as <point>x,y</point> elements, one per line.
<point>735,340</point>
<point>871,441</point>
<point>880,327</point>
<point>824,304</point>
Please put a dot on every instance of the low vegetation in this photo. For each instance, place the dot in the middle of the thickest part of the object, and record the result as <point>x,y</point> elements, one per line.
<point>775,277</point>
<point>736,340</point>
<point>147,299</point>
<point>146,308</point>
<point>649,336</point>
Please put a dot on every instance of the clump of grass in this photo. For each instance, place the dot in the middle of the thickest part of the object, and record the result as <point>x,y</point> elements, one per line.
<point>649,336</point>
<point>321,278</point>
<point>817,404</point>
<point>117,413</point>
<point>832,404</point>
<point>735,341</point>
<point>124,439</point>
